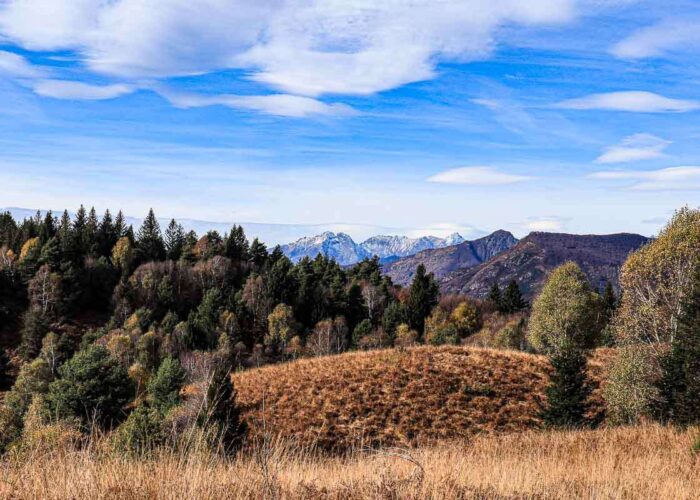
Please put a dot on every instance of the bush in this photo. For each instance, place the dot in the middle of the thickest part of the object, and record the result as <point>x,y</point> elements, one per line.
<point>164,386</point>
<point>142,431</point>
<point>631,389</point>
<point>405,337</point>
<point>92,387</point>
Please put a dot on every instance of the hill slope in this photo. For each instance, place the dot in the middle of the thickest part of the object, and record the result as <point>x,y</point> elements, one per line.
<point>530,261</point>
<point>443,261</point>
<point>394,397</point>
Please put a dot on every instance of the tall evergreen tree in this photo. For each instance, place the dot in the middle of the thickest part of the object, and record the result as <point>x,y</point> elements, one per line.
<point>680,382</point>
<point>258,252</point>
<point>149,242</point>
<point>174,240</point>
<point>569,389</point>
<point>422,298</point>
<point>609,300</point>
<point>120,225</point>
<point>236,245</point>
<point>495,296</point>
<point>512,300</point>
<point>90,232</point>
<point>106,235</point>
<point>79,224</point>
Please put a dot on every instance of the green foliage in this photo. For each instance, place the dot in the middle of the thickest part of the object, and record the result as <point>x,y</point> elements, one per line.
<point>204,320</point>
<point>363,329</point>
<point>92,387</point>
<point>679,386</point>
<point>394,315</point>
<point>164,386</point>
<point>569,389</point>
<point>631,388</point>
<point>422,298</point>
<point>512,300</point>
<point>150,245</point>
<point>221,413</point>
<point>142,431</point>
<point>565,312</point>
<point>440,330</point>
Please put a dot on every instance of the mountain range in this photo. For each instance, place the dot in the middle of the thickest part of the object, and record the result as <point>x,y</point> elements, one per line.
<point>532,258</point>
<point>344,250</point>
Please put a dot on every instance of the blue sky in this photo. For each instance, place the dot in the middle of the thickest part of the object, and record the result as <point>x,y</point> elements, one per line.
<point>421,117</point>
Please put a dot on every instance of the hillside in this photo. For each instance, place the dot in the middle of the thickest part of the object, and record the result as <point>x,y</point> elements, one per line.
<point>394,397</point>
<point>443,261</point>
<point>530,261</point>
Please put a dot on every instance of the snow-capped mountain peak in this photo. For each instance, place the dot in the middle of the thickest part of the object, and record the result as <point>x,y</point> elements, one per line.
<point>345,251</point>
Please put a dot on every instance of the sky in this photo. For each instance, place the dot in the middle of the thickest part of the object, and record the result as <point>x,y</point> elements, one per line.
<point>407,116</point>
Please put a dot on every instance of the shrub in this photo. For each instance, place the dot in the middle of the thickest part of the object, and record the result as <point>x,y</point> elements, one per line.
<point>439,329</point>
<point>631,389</point>
<point>466,318</point>
<point>92,387</point>
<point>362,329</point>
<point>405,337</point>
<point>142,431</point>
<point>164,386</point>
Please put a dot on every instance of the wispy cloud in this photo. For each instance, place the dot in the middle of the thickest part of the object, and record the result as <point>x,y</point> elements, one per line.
<point>15,65</point>
<point>635,147</point>
<point>659,39</point>
<point>632,101</point>
<point>79,91</point>
<point>545,224</point>
<point>274,104</point>
<point>477,176</point>
<point>665,179</point>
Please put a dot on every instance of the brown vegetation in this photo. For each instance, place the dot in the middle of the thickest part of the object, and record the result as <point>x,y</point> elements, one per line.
<point>650,462</point>
<point>396,397</point>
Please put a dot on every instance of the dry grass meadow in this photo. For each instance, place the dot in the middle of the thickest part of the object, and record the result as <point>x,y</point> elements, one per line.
<point>423,423</point>
<point>649,462</point>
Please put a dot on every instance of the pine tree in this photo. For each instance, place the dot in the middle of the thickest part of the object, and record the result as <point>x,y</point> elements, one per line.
<point>569,389</point>
<point>423,296</point>
<point>119,225</point>
<point>149,242</point>
<point>495,296</point>
<point>236,245</point>
<point>258,252</point>
<point>79,230</point>
<point>174,240</point>
<point>106,235</point>
<point>609,301</point>
<point>512,300</point>
<point>220,409</point>
<point>680,382</point>
<point>90,232</point>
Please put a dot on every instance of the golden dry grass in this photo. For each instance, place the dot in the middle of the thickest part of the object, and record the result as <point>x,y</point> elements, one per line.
<point>649,462</point>
<point>391,397</point>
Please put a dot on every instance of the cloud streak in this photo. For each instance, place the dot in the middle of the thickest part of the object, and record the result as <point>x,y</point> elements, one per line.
<point>635,147</point>
<point>274,104</point>
<point>79,91</point>
<point>477,176</point>
<point>630,101</point>
<point>665,179</point>
<point>658,40</point>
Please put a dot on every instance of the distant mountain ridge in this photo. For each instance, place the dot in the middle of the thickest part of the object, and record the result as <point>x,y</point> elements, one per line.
<point>530,261</point>
<point>343,249</point>
<point>443,261</point>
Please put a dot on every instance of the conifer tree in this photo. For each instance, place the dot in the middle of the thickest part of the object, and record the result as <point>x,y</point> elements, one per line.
<point>258,252</point>
<point>174,240</point>
<point>119,225</point>
<point>423,296</point>
<point>79,224</point>
<point>236,245</point>
<point>512,300</point>
<point>106,235</point>
<point>149,240</point>
<point>220,409</point>
<point>609,300</point>
<point>680,382</point>
<point>90,232</point>
<point>495,296</point>
<point>568,390</point>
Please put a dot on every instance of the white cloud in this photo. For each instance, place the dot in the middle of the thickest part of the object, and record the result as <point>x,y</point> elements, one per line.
<point>665,179</point>
<point>16,65</point>
<point>636,147</point>
<point>310,48</point>
<point>633,101</point>
<point>275,104</point>
<point>476,176</point>
<point>545,224</point>
<point>63,89</point>
<point>659,39</point>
